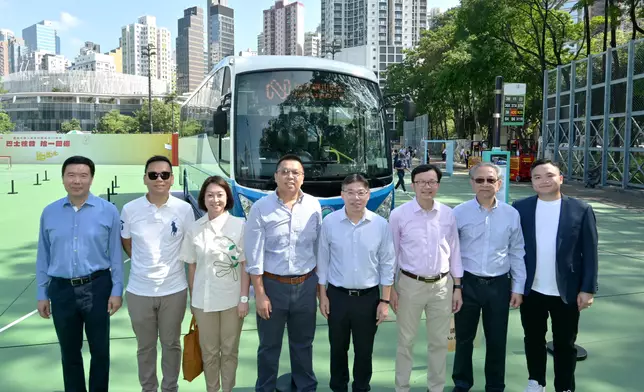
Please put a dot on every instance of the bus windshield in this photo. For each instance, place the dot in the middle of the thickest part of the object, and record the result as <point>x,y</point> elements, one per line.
<point>334,122</point>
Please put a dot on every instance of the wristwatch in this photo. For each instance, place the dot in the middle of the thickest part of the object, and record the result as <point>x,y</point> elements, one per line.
<point>458,286</point>
<point>384,301</point>
<point>244,299</point>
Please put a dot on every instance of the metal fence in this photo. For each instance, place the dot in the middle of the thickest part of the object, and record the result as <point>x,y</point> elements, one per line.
<point>593,117</point>
<point>415,131</point>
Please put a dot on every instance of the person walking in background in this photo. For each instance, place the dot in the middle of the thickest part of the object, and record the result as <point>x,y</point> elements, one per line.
<point>79,273</point>
<point>492,250</point>
<point>562,266</point>
<point>152,230</point>
<point>218,282</point>
<point>401,166</point>
<point>355,256</point>
<point>428,257</point>
<point>281,244</point>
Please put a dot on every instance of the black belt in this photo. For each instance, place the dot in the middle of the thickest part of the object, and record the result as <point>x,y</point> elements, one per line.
<point>483,279</point>
<point>354,292</point>
<point>84,279</point>
<point>426,279</point>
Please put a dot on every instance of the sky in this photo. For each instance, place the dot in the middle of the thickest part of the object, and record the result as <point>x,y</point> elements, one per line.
<point>78,21</point>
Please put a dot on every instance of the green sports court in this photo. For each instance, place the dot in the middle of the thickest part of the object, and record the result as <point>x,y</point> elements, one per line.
<point>29,355</point>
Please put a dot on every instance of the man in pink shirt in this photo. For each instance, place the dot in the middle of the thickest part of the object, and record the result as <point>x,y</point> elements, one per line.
<point>429,272</point>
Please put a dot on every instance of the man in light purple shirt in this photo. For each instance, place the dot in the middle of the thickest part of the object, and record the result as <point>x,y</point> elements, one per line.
<point>428,265</point>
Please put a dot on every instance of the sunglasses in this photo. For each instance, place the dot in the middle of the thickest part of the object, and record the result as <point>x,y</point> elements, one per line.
<point>482,180</point>
<point>154,175</point>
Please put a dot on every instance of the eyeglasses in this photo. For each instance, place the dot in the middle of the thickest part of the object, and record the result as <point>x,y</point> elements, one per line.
<point>154,175</point>
<point>426,183</point>
<point>286,172</point>
<point>489,180</point>
<point>362,193</point>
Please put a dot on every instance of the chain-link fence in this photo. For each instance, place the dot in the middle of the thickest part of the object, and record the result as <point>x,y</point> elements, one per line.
<point>415,131</point>
<point>593,117</point>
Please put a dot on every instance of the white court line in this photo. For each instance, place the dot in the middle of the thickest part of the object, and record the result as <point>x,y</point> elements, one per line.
<point>26,316</point>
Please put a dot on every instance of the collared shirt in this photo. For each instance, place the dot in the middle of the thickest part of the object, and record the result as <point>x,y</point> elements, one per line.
<point>76,242</point>
<point>280,240</point>
<point>355,255</point>
<point>426,242</point>
<point>216,246</point>
<point>157,233</point>
<point>492,241</point>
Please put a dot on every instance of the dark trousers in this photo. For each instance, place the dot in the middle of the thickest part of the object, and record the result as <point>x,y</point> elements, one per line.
<point>75,307</point>
<point>490,296</point>
<point>350,317</point>
<point>535,310</point>
<point>401,180</point>
<point>294,306</point>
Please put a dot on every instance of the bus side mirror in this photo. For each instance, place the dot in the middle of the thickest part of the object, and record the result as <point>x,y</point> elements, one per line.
<point>409,109</point>
<point>220,122</point>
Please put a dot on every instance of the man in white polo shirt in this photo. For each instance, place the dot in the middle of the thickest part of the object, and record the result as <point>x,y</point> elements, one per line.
<point>152,229</point>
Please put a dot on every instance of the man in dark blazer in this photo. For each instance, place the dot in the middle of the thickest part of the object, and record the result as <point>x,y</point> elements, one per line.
<point>561,263</point>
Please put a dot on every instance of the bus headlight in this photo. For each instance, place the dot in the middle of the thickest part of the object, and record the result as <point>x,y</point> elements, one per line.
<point>246,204</point>
<point>385,207</point>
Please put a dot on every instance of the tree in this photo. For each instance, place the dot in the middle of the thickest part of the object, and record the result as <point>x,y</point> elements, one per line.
<point>6,125</point>
<point>161,116</point>
<point>71,125</point>
<point>115,122</point>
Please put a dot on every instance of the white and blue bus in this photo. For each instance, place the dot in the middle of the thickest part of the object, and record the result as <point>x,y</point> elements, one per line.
<point>250,111</point>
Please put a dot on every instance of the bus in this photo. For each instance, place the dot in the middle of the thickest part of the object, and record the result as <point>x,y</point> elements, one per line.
<point>250,111</point>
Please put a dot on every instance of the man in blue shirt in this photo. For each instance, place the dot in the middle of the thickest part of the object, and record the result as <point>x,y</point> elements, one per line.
<point>79,272</point>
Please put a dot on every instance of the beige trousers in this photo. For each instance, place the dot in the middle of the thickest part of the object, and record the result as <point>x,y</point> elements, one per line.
<point>435,299</point>
<point>158,318</point>
<point>219,341</point>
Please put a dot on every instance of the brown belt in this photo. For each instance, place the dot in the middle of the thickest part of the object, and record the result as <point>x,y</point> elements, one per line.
<point>289,279</point>
<point>429,279</point>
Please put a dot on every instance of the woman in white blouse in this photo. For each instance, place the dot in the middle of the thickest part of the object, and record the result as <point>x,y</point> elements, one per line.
<point>218,282</point>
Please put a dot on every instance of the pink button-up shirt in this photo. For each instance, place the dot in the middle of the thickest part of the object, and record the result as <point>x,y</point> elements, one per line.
<point>426,242</point>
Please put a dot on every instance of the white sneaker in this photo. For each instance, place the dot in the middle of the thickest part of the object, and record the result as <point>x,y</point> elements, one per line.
<point>534,386</point>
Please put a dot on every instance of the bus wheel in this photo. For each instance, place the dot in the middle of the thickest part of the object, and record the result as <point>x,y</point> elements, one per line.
<point>517,178</point>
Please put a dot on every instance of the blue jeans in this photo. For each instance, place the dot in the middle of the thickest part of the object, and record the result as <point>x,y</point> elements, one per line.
<point>294,306</point>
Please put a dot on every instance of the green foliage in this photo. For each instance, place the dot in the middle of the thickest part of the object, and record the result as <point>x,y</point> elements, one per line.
<point>6,125</point>
<point>162,119</point>
<point>451,73</point>
<point>190,128</point>
<point>115,122</point>
<point>71,125</point>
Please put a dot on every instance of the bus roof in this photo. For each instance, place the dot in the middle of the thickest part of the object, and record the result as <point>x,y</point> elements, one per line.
<point>266,63</point>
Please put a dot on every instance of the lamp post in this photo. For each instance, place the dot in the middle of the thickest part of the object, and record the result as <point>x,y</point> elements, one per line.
<point>149,51</point>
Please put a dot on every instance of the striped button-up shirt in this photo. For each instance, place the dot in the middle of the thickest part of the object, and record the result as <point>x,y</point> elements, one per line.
<point>492,241</point>
<point>426,242</point>
<point>355,255</point>
<point>280,240</point>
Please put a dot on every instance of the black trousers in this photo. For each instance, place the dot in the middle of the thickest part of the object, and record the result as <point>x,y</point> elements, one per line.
<point>73,308</point>
<point>490,296</point>
<point>535,310</point>
<point>352,316</point>
<point>401,180</point>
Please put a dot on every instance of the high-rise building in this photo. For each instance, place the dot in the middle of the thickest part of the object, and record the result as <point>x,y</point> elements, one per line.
<point>284,29</point>
<point>117,55</point>
<point>189,50</point>
<point>260,44</point>
<point>5,36</point>
<point>93,61</point>
<point>221,31</point>
<point>42,36</point>
<point>18,52</point>
<point>312,43</point>
<point>90,47</point>
<point>432,17</point>
<point>136,38</point>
